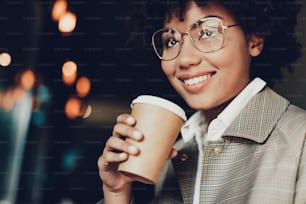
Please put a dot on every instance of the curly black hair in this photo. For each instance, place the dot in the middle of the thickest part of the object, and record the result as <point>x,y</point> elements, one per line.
<point>273,20</point>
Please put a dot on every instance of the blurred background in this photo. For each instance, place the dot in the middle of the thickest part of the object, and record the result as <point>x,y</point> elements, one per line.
<point>67,69</point>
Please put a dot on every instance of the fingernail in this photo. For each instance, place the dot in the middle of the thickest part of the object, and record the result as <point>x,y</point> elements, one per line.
<point>137,135</point>
<point>122,155</point>
<point>130,120</point>
<point>133,150</point>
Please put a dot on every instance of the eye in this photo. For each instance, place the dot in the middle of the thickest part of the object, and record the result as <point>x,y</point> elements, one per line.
<point>208,32</point>
<point>170,42</point>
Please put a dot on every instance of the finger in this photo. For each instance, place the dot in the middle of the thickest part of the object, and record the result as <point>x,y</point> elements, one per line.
<point>102,164</point>
<point>123,130</point>
<point>111,157</point>
<point>116,144</point>
<point>126,118</point>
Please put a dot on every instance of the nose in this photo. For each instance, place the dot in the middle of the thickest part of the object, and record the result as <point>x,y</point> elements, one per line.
<point>189,55</point>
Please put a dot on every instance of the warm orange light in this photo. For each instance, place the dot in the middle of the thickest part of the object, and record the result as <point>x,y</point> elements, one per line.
<point>67,22</point>
<point>69,80</point>
<point>83,86</point>
<point>69,72</point>
<point>7,100</point>
<point>27,79</point>
<point>69,68</point>
<point>73,108</point>
<point>5,59</point>
<point>59,8</point>
<point>10,97</point>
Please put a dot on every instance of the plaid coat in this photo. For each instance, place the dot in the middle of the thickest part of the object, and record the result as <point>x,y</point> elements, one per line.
<point>262,159</point>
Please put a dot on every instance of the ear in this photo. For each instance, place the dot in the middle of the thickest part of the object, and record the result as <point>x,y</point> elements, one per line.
<point>255,45</point>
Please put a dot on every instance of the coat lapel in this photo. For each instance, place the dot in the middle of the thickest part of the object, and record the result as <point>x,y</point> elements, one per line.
<point>259,116</point>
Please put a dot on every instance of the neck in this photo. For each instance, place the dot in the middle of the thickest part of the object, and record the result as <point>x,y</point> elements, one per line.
<point>211,114</point>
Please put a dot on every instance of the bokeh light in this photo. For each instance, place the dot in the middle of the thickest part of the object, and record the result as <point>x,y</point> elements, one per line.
<point>7,100</point>
<point>83,86</point>
<point>69,68</point>
<point>59,8</point>
<point>5,59</point>
<point>27,79</point>
<point>73,108</point>
<point>9,97</point>
<point>67,22</point>
<point>69,72</point>
<point>43,93</point>
<point>70,159</point>
<point>69,79</point>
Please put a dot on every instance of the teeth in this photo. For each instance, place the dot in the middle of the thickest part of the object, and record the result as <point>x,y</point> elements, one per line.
<point>196,80</point>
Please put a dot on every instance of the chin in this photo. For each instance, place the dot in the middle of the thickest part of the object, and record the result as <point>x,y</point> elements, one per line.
<point>197,106</point>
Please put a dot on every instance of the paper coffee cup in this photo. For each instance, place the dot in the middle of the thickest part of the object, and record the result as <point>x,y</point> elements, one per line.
<point>160,121</point>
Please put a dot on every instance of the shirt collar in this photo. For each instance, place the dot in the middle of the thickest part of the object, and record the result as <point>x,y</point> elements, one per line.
<point>193,126</point>
<point>239,102</point>
<point>196,125</point>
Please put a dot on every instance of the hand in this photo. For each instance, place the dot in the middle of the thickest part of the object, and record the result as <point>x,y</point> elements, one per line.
<point>116,151</point>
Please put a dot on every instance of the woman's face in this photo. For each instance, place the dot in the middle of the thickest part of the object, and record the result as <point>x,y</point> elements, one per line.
<point>208,80</point>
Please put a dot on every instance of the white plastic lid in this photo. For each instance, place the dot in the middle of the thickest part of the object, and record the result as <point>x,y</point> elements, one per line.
<point>164,103</point>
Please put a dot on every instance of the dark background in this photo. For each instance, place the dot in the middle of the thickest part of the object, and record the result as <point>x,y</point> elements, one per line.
<point>58,164</point>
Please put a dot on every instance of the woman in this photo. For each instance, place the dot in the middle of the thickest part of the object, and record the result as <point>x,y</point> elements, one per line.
<point>245,143</point>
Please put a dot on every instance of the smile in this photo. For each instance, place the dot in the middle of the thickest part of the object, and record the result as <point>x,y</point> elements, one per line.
<point>196,80</point>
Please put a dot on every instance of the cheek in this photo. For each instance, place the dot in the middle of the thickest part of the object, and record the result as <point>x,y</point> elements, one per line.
<point>235,59</point>
<point>168,68</point>
<point>235,75</point>
<point>235,48</point>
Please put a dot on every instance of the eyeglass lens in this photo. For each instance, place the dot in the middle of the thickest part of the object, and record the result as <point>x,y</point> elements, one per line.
<point>206,35</point>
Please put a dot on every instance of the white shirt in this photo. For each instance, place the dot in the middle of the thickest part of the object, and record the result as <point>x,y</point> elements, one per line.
<point>197,126</point>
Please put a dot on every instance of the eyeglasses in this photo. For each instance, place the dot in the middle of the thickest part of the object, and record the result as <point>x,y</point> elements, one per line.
<point>207,35</point>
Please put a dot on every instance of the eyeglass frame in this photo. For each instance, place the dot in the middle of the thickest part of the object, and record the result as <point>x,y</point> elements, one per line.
<point>193,26</point>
